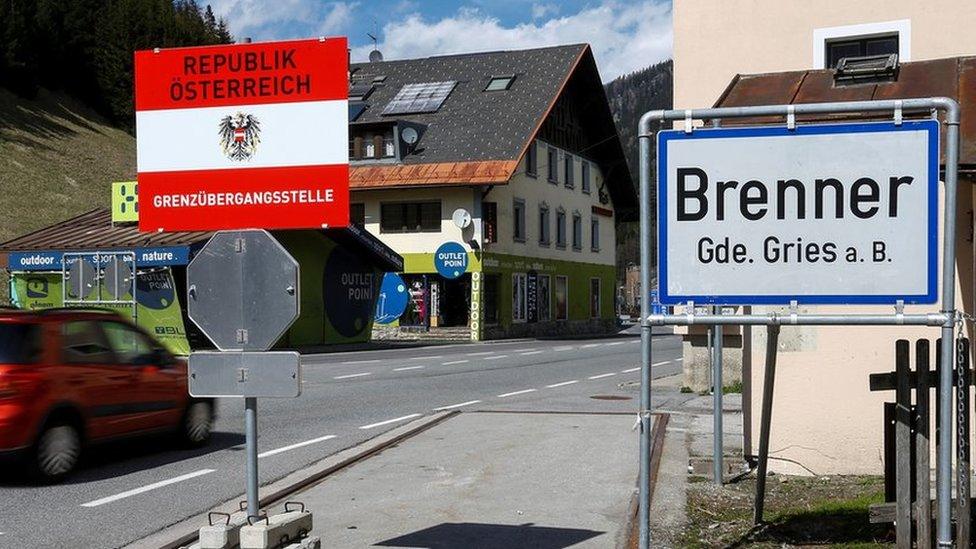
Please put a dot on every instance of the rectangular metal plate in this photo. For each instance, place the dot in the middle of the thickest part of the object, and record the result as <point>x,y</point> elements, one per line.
<point>276,374</point>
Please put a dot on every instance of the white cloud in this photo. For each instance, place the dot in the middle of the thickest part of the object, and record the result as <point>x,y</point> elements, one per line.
<point>624,36</point>
<point>261,19</point>
<point>541,10</point>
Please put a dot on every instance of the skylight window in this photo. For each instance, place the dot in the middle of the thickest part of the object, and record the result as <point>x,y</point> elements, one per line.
<point>418,98</point>
<point>500,83</point>
<point>359,92</point>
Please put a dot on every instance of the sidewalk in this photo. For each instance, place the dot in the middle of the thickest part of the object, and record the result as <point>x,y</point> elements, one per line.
<point>487,480</point>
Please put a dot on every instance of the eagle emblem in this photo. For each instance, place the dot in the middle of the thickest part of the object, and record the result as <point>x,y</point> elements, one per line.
<point>240,135</point>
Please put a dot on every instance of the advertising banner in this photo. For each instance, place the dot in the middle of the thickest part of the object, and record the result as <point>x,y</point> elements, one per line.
<point>50,260</point>
<point>158,308</point>
<point>243,136</point>
<point>828,214</point>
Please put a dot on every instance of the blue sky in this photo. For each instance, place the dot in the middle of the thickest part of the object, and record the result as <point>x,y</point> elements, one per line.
<point>625,35</point>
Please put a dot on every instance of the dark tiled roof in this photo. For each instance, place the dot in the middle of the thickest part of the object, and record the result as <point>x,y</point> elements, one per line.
<point>952,77</point>
<point>473,124</point>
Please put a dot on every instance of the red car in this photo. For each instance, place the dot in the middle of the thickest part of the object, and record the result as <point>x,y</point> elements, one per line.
<point>73,377</point>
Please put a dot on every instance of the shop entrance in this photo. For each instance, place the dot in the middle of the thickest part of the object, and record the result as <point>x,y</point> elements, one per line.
<point>453,301</point>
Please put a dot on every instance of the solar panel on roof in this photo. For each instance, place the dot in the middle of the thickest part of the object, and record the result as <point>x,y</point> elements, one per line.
<point>356,109</point>
<point>417,98</point>
<point>360,92</point>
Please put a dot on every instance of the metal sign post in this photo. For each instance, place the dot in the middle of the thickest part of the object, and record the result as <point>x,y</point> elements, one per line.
<point>243,294</point>
<point>895,279</point>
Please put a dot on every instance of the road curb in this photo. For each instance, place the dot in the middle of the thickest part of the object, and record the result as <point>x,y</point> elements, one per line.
<point>185,532</point>
<point>659,432</point>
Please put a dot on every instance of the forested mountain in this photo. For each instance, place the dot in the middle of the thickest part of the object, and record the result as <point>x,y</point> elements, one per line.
<point>630,97</point>
<point>84,47</point>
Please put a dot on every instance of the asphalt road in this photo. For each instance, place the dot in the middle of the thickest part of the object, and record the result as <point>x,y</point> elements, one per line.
<point>125,491</point>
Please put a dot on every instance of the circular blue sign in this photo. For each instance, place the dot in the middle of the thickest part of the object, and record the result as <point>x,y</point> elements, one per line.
<point>392,300</point>
<point>451,260</point>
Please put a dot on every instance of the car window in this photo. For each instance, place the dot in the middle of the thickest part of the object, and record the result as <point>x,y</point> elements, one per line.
<point>84,343</point>
<point>19,343</point>
<point>128,344</point>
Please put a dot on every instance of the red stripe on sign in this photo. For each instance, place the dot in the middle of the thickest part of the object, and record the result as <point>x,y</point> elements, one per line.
<point>242,74</point>
<point>298,197</point>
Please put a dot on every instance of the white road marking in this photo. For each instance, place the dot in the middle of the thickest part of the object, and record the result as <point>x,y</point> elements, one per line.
<point>523,350</point>
<point>630,370</point>
<point>353,375</point>
<point>530,353</point>
<point>426,357</point>
<point>616,343</point>
<point>468,403</point>
<point>374,361</point>
<point>496,357</point>
<point>565,348</point>
<point>517,393</point>
<point>389,421</point>
<point>293,446</point>
<point>679,359</point>
<point>482,353</point>
<point>407,368</point>
<point>602,375</point>
<point>590,345</point>
<point>661,363</point>
<point>454,362</point>
<point>147,488</point>
<point>554,385</point>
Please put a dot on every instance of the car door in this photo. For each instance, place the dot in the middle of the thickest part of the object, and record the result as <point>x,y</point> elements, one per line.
<point>94,380</point>
<point>155,385</point>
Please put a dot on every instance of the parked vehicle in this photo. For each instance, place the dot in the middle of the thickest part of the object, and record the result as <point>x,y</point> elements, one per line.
<point>70,378</point>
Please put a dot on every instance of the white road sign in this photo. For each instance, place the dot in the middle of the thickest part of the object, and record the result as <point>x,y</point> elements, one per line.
<point>840,213</point>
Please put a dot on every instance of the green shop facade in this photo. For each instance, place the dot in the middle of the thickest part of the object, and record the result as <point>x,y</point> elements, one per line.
<point>340,270</point>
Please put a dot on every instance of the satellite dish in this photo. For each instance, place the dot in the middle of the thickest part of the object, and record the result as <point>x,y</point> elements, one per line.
<point>375,56</point>
<point>409,135</point>
<point>461,218</point>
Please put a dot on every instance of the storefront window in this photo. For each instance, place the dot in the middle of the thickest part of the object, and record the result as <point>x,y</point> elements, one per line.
<point>519,297</point>
<point>543,297</point>
<point>562,298</point>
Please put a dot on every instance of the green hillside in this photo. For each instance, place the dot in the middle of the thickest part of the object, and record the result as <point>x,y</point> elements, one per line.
<point>57,159</point>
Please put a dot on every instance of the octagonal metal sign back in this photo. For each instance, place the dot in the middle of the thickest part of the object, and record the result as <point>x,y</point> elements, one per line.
<point>243,290</point>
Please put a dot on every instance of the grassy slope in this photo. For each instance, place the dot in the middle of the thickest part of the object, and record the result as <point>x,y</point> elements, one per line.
<point>57,159</point>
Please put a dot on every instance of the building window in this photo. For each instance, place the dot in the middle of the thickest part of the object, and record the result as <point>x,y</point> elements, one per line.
<point>500,83</point>
<point>544,296</point>
<point>594,298</point>
<point>568,168</point>
<point>595,234</point>
<point>859,47</point>
<point>532,160</point>
<point>357,214</point>
<point>518,220</point>
<point>560,228</point>
<point>519,297</point>
<point>543,225</point>
<point>562,297</point>
<point>490,221</point>
<point>585,176</point>
<point>490,296</point>
<point>879,34</point>
<point>553,166</point>
<point>410,217</point>
<point>577,231</point>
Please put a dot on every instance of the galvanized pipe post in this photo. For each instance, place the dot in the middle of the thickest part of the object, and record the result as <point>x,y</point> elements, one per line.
<point>251,449</point>
<point>717,445</point>
<point>644,499</point>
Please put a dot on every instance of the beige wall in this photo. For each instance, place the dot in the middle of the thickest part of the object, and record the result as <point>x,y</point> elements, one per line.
<point>825,421</point>
<point>716,39</point>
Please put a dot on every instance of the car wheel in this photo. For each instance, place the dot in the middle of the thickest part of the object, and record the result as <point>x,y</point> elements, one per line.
<point>197,423</point>
<point>57,452</point>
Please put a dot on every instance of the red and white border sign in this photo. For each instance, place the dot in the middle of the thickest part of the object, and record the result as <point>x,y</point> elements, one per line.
<point>243,136</point>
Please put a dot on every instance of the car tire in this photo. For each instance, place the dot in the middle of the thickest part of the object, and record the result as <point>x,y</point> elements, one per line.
<point>56,452</point>
<point>197,423</point>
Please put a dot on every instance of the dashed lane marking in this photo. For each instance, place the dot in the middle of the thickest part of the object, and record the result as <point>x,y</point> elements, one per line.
<point>452,406</point>
<point>407,368</point>
<point>147,488</point>
<point>374,361</point>
<point>389,421</point>
<point>660,363</point>
<point>629,370</point>
<point>522,392</point>
<point>530,353</point>
<point>564,383</point>
<point>454,362</point>
<point>480,353</point>
<point>296,445</point>
<point>431,357</point>
<point>348,376</point>
<point>496,357</point>
<point>590,345</point>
